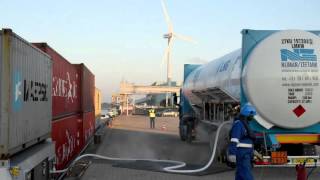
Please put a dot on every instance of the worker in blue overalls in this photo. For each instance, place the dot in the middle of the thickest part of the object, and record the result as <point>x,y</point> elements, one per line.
<point>241,147</point>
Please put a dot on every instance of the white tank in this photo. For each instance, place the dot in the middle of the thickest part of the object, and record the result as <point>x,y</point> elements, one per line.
<point>280,78</point>
<point>5,174</point>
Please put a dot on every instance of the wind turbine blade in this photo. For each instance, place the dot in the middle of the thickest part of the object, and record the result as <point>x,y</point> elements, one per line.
<point>185,38</point>
<point>167,17</point>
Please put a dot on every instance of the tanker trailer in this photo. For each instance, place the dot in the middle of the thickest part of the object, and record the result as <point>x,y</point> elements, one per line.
<point>275,71</point>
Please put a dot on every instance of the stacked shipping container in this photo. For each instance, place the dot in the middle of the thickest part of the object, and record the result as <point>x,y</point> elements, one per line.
<point>72,106</point>
<point>66,84</point>
<point>67,135</point>
<point>88,126</point>
<point>97,103</point>
<point>97,106</point>
<point>87,102</point>
<point>25,81</point>
<point>87,88</point>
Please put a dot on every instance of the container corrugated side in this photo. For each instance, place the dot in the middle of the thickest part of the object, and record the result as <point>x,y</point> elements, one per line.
<point>66,84</point>
<point>88,126</point>
<point>67,136</point>
<point>25,94</point>
<point>97,103</point>
<point>87,88</point>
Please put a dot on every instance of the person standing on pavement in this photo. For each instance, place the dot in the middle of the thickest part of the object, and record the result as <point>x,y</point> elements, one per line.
<point>241,147</point>
<point>152,116</point>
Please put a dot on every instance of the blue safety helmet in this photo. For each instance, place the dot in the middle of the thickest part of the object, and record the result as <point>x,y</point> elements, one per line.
<point>248,110</point>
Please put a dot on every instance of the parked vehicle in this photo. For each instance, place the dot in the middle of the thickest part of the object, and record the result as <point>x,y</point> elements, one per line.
<point>111,113</point>
<point>104,116</point>
<point>168,113</point>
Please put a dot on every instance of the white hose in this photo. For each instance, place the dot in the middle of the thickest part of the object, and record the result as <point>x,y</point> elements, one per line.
<point>172,169</point>
<point>115,159</point>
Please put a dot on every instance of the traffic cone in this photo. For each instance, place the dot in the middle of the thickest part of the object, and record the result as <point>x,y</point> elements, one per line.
<point>163,127</point>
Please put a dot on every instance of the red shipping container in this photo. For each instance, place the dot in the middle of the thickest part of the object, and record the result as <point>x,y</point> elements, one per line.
<point>88,126</point>
<point>66,87</point>
<point>87,88</point>
<point>67,135</point>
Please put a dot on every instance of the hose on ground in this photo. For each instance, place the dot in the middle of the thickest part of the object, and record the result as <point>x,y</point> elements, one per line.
<point>171,169</point>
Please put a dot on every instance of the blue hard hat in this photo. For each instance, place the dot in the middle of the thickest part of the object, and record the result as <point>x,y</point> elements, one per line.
<point>248,110</point>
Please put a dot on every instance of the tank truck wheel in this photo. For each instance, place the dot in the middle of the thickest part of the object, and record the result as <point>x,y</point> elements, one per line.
<point>189,133</point>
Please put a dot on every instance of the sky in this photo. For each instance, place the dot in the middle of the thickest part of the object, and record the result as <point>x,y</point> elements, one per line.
<point>123,39</point>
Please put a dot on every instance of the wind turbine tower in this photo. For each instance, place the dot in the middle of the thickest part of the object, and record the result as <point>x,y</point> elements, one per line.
<point>170,35</point>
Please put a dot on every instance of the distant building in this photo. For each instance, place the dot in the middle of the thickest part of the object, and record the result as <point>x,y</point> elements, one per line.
<point>116,99</point>
<point>122,102</point>
<point>156,99</point>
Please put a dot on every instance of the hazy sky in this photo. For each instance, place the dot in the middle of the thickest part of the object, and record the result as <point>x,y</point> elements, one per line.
<point>123,39</point>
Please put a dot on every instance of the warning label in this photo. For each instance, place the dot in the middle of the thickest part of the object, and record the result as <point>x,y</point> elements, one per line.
<point>299,67</point>
<point>300,95</point>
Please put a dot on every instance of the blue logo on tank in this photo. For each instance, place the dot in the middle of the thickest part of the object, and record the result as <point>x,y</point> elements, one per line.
<point>17,91</point>
<point>298,55</point>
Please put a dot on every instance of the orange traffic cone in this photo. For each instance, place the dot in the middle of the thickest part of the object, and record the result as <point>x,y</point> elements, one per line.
<point>163,127</point>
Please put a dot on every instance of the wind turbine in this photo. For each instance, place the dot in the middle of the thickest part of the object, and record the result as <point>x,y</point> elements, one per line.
<point>171,35</point>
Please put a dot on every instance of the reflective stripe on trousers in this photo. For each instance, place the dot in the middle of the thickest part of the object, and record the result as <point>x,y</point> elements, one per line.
<point>244,145</point>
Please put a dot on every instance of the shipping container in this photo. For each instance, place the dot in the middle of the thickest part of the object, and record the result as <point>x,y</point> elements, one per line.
<point>67,136</point>
<point>87,88</point>
<point>71,134</point>
<point>88,126</point>
<point>97,103</point>
<point>66,98</point>
<point>25,93</point>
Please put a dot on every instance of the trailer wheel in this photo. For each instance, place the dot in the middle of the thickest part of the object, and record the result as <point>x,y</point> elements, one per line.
<point>182,132</point>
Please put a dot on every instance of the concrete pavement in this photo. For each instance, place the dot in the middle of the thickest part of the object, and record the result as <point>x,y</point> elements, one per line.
<point>131,137</point>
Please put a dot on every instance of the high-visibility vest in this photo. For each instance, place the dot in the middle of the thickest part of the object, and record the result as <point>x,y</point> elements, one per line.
<point>151,113</point>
